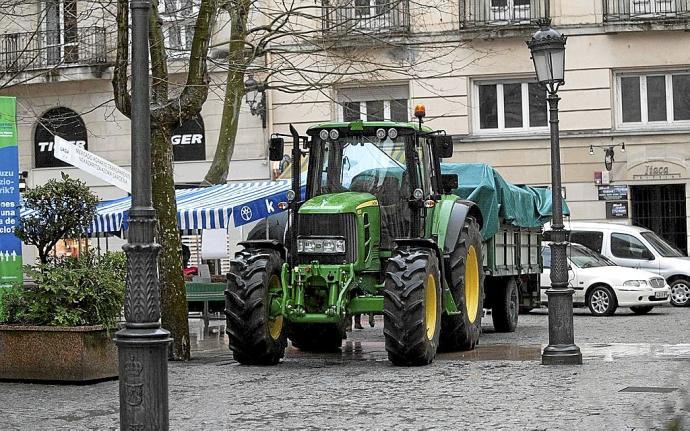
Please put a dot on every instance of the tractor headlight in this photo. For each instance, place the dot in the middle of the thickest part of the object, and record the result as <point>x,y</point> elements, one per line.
<point>316,245</point>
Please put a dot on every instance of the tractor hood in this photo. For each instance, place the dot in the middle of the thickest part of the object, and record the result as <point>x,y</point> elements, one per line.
<point>337,203</point>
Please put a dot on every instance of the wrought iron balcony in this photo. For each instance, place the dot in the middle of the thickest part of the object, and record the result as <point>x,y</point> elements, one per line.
<point>49,49</point>
<point>497,13</point>
<point>646,10</point>
<point>357,17</point>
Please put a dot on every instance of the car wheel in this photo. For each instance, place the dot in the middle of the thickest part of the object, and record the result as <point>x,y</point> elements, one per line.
<point>641,309</point>
<point>601,301</point>
<point>680,293</point>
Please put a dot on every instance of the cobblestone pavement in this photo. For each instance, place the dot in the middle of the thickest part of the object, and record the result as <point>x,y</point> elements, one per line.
<point>500,386</point>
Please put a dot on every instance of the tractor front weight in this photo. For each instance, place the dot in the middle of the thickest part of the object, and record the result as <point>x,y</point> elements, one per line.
<point>331,282</point>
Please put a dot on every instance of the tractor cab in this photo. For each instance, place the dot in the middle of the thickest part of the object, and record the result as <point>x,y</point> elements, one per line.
<point>370,164</point>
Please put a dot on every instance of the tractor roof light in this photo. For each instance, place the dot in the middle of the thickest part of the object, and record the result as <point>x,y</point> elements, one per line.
<point>381,134</point>
<point>334,134</point>
<point>393,133</point>
<point>420,111</point>
<point>323,134</point>
<point>418,194</point>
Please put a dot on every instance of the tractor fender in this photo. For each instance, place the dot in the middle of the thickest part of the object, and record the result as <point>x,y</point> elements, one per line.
<point>456,221</point>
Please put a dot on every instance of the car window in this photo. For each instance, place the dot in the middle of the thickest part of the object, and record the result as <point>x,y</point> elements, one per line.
<point>590,239</point>
<point>661,246</point>
<point>583,257</point>
<point>627,246</point>
<point>546,257</point>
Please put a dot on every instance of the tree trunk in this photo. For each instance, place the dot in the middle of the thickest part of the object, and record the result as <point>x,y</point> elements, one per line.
<point>172,287</point>
<point>234,91</point>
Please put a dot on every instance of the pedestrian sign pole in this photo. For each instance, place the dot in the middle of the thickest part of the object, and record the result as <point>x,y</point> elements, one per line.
<point>10,245</point>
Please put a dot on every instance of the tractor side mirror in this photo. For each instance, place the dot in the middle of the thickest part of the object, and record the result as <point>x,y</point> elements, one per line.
<point>443,145</point>
<point>449,182</point>
<point>275,149</point>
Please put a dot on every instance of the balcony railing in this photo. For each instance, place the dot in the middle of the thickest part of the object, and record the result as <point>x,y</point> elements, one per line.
<point>645,10</point>
<point>48,49</point>
<point>353,17</point>
<point>497,13</point>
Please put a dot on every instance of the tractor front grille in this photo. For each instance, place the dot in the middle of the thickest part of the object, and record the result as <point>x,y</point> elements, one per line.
<point>657,283</point>
<point>329,225</point>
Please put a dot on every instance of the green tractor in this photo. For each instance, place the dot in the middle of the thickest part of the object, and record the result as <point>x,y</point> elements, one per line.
<point>376,231</point>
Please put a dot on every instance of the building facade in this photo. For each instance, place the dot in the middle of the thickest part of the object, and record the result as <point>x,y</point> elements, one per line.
<point>625,109</point>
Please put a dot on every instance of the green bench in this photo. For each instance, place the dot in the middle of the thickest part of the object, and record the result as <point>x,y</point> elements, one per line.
<point>205,292</point>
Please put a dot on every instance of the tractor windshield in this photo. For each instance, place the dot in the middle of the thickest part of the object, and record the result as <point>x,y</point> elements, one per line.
<point>359,164</point>
<point>369,165</point>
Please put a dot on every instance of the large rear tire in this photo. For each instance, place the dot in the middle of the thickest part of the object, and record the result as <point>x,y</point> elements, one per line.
<point>313,337</point>
<point>506,306</point>
<point>255,337</point>
<point>412,306</point>
<point>466,280</point>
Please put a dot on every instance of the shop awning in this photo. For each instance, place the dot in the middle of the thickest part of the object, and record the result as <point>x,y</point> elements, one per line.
<point>216,207</point>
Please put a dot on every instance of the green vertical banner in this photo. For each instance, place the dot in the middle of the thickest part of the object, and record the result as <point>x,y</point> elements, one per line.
<point>10,245</point>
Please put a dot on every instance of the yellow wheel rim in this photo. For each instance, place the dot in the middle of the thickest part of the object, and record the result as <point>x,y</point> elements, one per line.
<point>471,284</point>
<point>430,309</point>
<point>275,324</point>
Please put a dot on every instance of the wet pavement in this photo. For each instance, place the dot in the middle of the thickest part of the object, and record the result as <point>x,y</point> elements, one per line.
<point>634,376</point>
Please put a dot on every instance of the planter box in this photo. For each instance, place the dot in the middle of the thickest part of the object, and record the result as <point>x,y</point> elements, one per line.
<point>53,353</point>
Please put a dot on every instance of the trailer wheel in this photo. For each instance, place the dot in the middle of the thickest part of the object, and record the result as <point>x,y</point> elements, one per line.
<point>506,306</point>
<point>314,337</point>
<point>412,306</point>
<point>466,281</point>
<point>255,337</point>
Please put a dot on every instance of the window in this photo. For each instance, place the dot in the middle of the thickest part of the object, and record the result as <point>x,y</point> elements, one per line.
<point>591,240</point>
<point>651,8</point>
<point>374,104</point>
<point>654,99</point>
<point>628,247</point>
<point>61,37</point>
<point>510,106</point>
<point>179,19</point>
<point>509,11</point>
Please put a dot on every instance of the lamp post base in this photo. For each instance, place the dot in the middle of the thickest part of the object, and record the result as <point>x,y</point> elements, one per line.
<point>143,359</point>
<point>561,354</point>
<point>561,349</point>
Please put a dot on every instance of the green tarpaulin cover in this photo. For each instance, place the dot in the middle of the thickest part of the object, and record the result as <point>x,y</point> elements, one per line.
<point>497,199</point>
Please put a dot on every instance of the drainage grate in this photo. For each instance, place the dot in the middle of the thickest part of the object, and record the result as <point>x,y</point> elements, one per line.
<point>650,389</point>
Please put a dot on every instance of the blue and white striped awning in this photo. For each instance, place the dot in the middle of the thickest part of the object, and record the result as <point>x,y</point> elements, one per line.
<point>216,207</point>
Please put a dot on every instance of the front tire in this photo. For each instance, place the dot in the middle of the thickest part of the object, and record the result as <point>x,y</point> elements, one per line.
<point>506,306</point>
<point>680,292</point>
<point>255,337</point>
<point>412,307</point>
<point>602,301</point>
<point>466,281</point>
<point>641,309</point>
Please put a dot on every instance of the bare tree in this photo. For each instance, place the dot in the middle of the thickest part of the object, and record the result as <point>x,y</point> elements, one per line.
<point>167,110</point>
<point>303,47</point>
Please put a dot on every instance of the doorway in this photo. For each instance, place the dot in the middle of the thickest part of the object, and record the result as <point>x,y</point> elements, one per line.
<point>661,208</point>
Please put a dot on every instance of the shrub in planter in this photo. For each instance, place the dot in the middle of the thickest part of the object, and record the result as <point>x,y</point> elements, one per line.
<point>60,327</point>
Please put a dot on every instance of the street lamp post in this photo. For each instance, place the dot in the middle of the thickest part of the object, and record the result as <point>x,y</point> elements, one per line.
<point>548,53</point>
<point>256,99</point>
<point>142,344</point>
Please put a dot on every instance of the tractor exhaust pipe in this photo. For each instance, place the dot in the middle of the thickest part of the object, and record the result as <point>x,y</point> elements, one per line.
<point>296,186</point>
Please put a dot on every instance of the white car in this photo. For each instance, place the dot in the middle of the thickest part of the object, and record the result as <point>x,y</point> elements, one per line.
<point>603,286</point>
<point>639,248</point>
